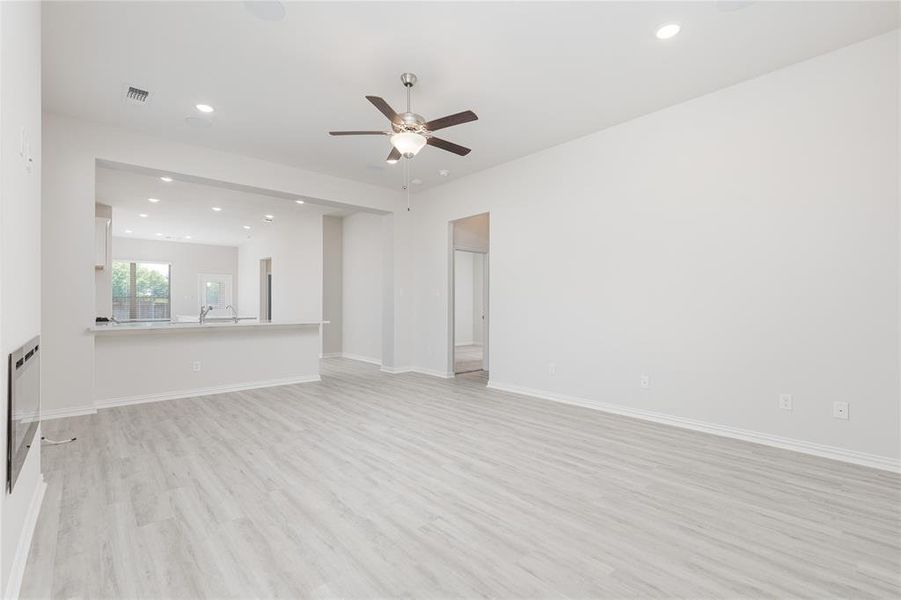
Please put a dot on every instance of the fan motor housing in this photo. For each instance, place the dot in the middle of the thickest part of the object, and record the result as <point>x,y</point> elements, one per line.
<point>410,122</point>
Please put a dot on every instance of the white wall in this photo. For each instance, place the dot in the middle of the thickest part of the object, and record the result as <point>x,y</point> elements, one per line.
<point>734,247</point>
<point>362,286</point>
<point>72,149</point>
<point>478,286</point>
<point>468,297</point>
<point>295,247</point>
<point>20,256</point>
<point>464,280</point>
<point>103,278</point>
<point>331,284</point>
<point>188,262</point>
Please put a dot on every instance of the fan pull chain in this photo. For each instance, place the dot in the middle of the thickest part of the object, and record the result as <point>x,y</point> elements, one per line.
<point>407,181</point>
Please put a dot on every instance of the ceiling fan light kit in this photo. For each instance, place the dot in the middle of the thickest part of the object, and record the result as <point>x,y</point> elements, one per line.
<point>408,143</point>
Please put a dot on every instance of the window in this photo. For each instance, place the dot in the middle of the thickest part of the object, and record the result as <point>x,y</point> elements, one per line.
<point>141,291</point>
<point>216,291</point>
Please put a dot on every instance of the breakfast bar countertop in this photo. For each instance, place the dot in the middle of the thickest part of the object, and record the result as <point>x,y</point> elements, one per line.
<point>174,327</point>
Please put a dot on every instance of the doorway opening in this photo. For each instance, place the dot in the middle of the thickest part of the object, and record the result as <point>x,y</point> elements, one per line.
<point>468,331</point>
<point>469,311</point>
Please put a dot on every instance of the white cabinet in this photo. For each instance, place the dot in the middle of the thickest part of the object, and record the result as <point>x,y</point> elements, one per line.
<point>101,242</point>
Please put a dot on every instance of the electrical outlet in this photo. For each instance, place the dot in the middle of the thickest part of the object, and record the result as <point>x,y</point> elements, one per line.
<point>785,401</point>
<point>196,366</point>
<point>840,410</point>
<point>645,382</point>
<point>552,368</point>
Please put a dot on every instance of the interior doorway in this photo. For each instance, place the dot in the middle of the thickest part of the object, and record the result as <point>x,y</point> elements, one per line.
<point>469,278</point>
<point>469,310</point>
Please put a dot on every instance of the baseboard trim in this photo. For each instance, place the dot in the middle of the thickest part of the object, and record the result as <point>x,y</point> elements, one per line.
<point>17,570</point>
<point>330,355</point>
<point>832,452</point>
<point>433,373</point>
<point>208,391</point>
<point>62,413</point>
<point>429,372</point>
<point>360,357</point>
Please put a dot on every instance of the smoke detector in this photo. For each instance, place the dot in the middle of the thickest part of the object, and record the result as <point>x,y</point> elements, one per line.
<point>135,95</point>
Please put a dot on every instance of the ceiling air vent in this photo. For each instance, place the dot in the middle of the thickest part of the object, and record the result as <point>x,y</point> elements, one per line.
<point>136,95</point>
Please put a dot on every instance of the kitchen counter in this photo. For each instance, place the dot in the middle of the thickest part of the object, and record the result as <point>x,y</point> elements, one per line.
<point>175,327</point>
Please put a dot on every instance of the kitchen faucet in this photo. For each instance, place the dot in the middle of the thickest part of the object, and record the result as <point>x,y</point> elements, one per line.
<point>234,312</point>
<point>203,312</point>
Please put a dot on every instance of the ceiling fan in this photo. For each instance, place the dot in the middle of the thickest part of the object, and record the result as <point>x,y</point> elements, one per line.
<point>410,132</point>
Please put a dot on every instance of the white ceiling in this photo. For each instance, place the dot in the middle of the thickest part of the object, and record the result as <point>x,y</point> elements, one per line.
<point>185,209</point>
<point>536,73</point>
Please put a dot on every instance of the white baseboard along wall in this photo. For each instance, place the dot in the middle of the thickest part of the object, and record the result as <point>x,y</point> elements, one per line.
<point>831,452</point>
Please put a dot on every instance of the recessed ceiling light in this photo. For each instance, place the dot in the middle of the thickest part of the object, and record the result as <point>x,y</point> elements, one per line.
<point>187,237</point>
<point>159,234</point>
<point>665,32</point>
<point>444,172</point>
<point>299,201</point>
<point>154,200</point>
<point>143,215</point>
<point>128,231</point>
<point>204,108</point>
<point>166,179</point>
<point>217,209</point>
<point>247,227</point>
<point>270,217</point>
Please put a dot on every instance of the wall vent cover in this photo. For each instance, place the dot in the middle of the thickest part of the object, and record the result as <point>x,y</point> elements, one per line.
<point>136,95</point>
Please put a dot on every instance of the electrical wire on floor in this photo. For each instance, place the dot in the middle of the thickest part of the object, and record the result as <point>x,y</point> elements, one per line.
<point>56,442</point>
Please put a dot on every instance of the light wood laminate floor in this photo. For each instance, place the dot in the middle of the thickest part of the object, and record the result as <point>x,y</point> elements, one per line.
<point>467,358</point>
<point>373,485</point>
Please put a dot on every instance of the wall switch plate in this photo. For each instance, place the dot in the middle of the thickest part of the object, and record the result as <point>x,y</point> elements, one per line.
<point>196,365</point>
<point>785,401</point>
<point>552,368</point>
<point>840,410</point>
<point>645,382</point>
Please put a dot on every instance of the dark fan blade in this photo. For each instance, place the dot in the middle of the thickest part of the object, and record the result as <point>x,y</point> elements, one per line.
<point>383,107</point>
<point>357,133</point>
<point>449,146</point>
<point>449,121</point>
<point>393,156</point>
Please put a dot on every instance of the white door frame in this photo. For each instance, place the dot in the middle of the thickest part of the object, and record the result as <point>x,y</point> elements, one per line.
<point>485,313</point>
